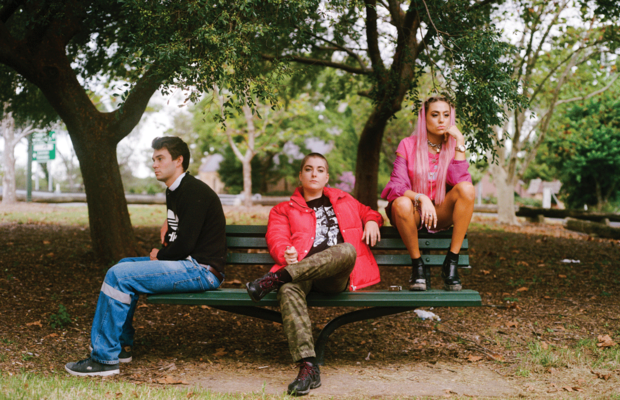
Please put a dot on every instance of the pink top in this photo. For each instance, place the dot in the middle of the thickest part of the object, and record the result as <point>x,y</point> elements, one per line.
<point>400,180</point>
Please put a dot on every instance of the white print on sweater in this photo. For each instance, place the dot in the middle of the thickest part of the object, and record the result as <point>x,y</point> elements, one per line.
<point>173,225</point>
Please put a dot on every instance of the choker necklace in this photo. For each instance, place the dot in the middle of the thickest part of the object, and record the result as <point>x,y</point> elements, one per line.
<point>437,147</point>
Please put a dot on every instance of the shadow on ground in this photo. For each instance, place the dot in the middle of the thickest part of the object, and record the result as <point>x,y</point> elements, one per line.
<point>536,336</point>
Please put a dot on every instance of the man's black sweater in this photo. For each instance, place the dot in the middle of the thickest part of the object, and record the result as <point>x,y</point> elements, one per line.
<point>196,225</point>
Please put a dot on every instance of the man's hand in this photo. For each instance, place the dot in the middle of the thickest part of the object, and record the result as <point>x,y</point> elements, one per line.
<point>153,254</point>
<point>371,233</point>
<point>290,255</point>
<point>163,231</point>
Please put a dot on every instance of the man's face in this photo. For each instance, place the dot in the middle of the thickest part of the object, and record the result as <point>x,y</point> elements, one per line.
<point>164,166</point>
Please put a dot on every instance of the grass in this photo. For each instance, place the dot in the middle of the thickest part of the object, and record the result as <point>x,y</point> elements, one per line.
<point>583,354</point>
<point>35,386</point>
<point>141,215</point>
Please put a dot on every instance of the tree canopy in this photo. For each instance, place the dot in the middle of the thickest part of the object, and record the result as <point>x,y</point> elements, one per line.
<point>585,149</point>
<point>66,48</point>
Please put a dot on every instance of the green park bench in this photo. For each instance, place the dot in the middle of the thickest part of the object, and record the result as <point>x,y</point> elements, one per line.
<point>389,252</point>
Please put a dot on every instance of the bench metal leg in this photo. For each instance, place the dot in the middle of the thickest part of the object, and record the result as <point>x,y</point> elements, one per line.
<point>256,312</point>
<point>353,316</point>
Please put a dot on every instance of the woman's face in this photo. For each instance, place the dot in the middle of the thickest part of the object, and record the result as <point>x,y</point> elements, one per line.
<point>438,117</point>
<point>313,175</point>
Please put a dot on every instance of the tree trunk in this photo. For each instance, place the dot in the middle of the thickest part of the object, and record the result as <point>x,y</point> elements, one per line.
<point>247,181</point>
<point>505,195</point>
<point>8,162</point>
<point>110,226</point>
<point>369,150</point>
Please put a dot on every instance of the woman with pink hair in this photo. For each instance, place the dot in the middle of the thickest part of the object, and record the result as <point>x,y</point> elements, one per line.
<point>431,187</point>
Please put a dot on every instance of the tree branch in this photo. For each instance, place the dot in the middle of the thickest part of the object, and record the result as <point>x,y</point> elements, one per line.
<point>396,13</point>
<point>372,37</point>
<point>319,62</point>
<point>24,132</point>
<point>596,92</point>
<point>528,50</point>
<point>129,114</point>
<point>347,50</point>
<point>536,53</point>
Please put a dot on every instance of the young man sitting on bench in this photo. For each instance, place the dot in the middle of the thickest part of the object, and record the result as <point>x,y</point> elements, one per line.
<point>192,260</point>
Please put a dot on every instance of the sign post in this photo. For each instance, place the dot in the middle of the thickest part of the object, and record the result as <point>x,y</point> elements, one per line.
<point>44,150</point>
<point>29,171</point>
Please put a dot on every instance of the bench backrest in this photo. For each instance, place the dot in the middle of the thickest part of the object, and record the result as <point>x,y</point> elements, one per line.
<point>389,252</point>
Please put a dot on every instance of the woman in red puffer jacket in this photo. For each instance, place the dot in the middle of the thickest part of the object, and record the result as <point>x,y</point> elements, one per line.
<point>319,239</point>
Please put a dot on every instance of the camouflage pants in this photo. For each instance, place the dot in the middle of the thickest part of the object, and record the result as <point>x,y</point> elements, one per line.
<point>326,272</point>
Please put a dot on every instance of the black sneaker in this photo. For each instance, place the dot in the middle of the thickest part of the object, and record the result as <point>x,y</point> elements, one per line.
<point>90,367</point>
<point>261,286</point>
<point>124,356</point>
<point>309,377</point>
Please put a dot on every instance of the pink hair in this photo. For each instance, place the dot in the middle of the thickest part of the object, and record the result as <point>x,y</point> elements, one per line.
<point>419,167</point>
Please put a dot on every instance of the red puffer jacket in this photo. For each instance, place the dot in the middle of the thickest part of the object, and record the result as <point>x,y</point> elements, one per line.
<point>293,223</point>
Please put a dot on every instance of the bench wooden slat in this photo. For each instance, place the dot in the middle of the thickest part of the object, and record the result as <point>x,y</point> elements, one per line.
<point>370,298</point>
<point>386,232</point>
<point>382,259</point>
<point>385,244</point>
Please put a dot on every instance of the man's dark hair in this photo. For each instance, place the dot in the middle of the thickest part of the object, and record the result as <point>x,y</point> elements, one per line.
<point>314,155</point>
<point>175,146</point>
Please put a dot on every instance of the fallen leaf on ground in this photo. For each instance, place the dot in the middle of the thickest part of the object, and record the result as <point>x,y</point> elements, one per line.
<point>510,324</point>
<point>525,264</point>
<point>46,242</point>
<point>168,380</point>
<point>523,289</point>
<point>238,352</point>
<point>485,272</point>
<point>605,341</point>
<point>496,357</point>
<point>602,375</point>
<point>544,345</point>
<point>37,323</point>
<point>562,276</point>
<point>143,305</point>
<point>220,352</point>
<point>473,358</point>
<point>568,388</point>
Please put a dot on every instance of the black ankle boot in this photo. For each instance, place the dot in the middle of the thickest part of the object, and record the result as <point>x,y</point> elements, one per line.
<point>420,276</point>
<point>261,286</point>
<point>450,272</point>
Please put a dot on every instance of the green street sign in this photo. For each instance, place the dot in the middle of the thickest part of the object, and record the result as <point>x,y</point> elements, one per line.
<point>43,146</point>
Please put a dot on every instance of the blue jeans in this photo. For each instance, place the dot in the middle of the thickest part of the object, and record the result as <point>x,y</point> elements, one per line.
<point>123,283</point>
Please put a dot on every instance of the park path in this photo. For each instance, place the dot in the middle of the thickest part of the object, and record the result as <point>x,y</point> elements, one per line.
<point>420,379</point>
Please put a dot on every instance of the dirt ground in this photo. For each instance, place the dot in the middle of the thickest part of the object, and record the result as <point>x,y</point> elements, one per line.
<point>532,301</point>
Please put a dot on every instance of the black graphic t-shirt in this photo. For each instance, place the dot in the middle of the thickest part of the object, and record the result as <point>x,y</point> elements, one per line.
<point>327,229</point>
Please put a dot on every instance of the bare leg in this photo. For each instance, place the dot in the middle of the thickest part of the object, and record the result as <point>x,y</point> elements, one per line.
<point>457,210</point>
<point>407,220</point>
